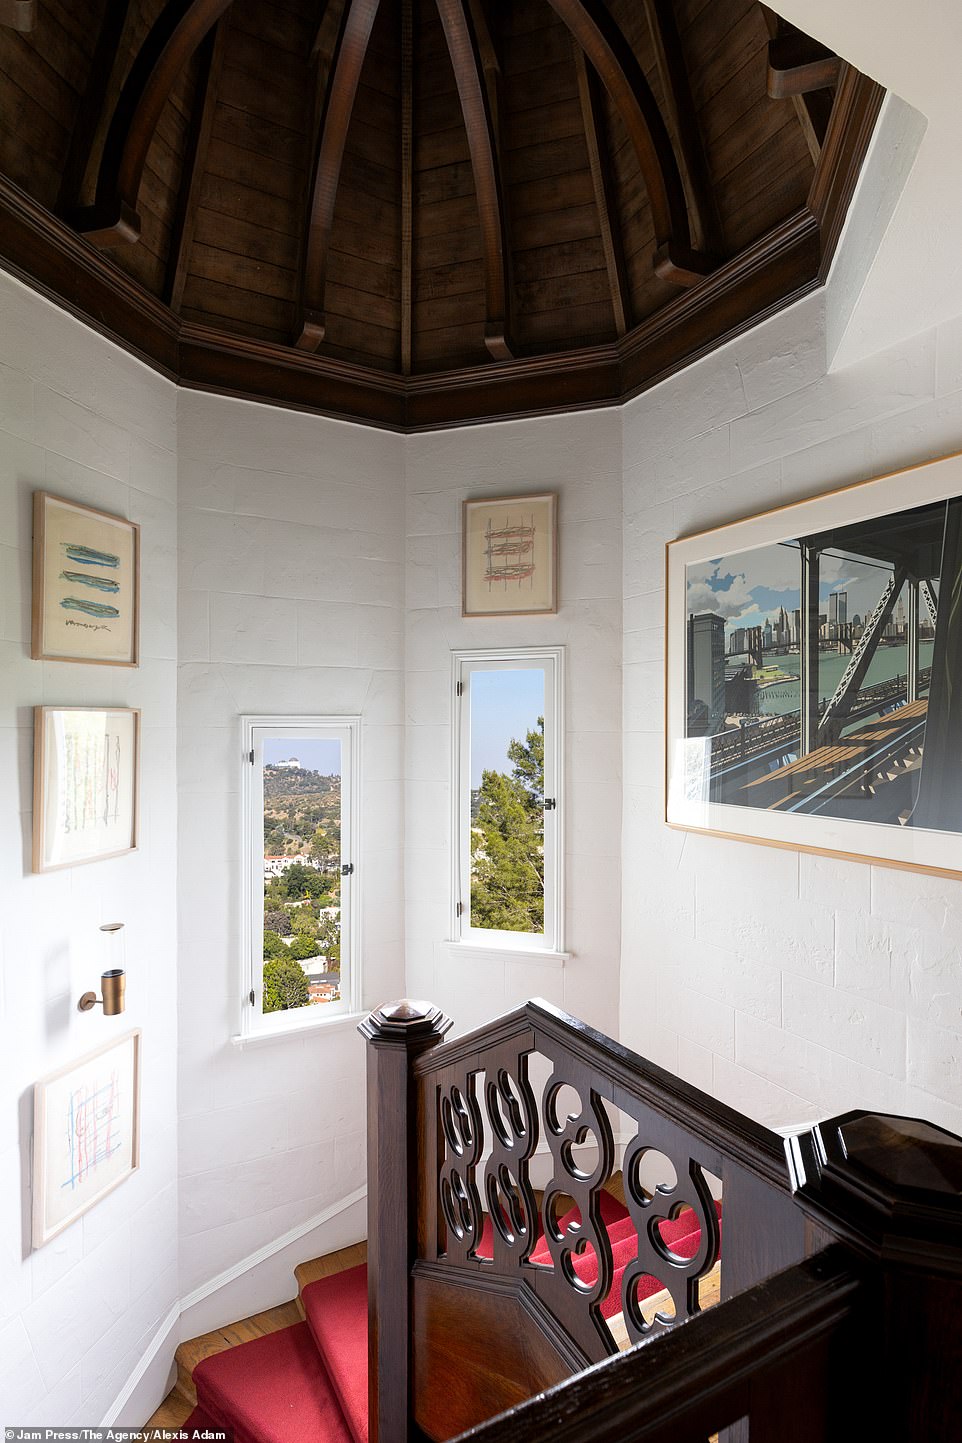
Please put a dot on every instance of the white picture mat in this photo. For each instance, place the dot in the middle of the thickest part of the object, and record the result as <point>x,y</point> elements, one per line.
<point>86,1133</point>
<point>70,633</point>
<point>535,594</point>
<point>873,841</point>
<point>88,784</point>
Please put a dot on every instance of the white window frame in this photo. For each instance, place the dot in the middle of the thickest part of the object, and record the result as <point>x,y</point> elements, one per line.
<point>253,1022</point>
<point>464,665</point>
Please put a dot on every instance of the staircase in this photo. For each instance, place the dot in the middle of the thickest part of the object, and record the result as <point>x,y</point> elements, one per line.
<point>297,1374</point>
<point>307,1382</point>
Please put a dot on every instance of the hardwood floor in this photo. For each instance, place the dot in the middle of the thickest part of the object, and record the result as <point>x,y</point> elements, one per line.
<point>182,1399</point>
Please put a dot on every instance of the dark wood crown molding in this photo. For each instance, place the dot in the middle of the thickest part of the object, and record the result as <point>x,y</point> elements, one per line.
<point>790,261</point>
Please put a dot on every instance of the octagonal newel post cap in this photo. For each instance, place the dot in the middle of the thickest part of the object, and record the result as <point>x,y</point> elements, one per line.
<point>889,1185</point>
<point>405,1023</point>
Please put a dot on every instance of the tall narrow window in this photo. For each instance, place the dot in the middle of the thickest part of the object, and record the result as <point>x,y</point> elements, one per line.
<point>508,814</point>
<point>300,901</point>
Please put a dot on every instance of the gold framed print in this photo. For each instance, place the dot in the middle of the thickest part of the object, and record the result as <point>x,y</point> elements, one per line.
<point>814,674</point>
<point>86,1137</point>
<point>86,584</point>
<point>509,561</point>
<point>86,782</point>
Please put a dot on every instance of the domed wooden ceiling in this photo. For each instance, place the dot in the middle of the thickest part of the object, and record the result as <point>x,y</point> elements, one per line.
<point>420,212</point>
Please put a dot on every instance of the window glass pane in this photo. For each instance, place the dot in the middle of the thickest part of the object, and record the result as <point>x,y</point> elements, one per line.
<point>507,799</point>
<point>302,872</point>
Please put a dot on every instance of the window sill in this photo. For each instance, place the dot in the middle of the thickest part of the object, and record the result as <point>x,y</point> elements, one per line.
<point>477,952</point>
<point>302,1029</point>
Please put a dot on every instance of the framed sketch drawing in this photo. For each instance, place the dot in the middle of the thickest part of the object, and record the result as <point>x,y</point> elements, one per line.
<point>86,584</point>
<point>814,674</point>
<point>86,771</point>
<point>86,1133</point>
<point>509,561</point>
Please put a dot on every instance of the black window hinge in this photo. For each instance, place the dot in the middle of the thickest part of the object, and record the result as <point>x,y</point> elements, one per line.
<point>250,757</point>
<point>550,805</point>
<point>460,688</point>
<point>347,869</point>
<point>251,997</point>
<point>459,909</point>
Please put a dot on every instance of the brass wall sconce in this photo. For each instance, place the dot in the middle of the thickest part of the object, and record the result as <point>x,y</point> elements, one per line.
<point>113,981</point>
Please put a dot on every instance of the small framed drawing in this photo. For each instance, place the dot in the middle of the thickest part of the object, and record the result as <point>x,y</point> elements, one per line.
<point>86,775</point>
<point>814,674</point>
<point>509,561</point>
<point>86,584</point>
<point>86,1133</point>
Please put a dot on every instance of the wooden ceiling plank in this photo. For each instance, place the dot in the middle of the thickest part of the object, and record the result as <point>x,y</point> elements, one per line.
<point>347,62</point>
<point>606,48</point>
<point>19,14</point>
<point>407,184</point>
<point>485,163</point>
<point>195,162</point>
<point>174,37</point>
<point>681,107</point>
<point>611,238</point>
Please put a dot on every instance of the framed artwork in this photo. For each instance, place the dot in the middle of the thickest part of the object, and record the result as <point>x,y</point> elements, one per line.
<point>814,674</point>
<point>86,1133</point>
<point>86,584</point>
<point>86,773</point>
<point>509,563</point>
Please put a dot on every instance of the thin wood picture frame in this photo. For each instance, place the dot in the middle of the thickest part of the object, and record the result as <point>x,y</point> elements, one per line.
<point>86,1133</point>
<point>509,555</point>
<point>813,681</point>
<point>86,785</point>
<point>86,584</point>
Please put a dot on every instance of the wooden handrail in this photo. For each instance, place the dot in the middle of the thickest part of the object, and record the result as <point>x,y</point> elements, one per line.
<point>721,1366</point>
<point>479,1309</point>
<point>752,1145</point>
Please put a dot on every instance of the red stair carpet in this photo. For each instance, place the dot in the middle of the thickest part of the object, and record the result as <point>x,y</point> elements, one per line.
<point>308,1383</point>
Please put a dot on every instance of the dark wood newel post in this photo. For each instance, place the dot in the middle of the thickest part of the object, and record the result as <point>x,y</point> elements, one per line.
<point>396,1033</point>
<point>891,1187</point>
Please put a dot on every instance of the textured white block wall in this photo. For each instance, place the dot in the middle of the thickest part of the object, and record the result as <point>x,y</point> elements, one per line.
<point>291,602</point>
<point>791,986</point>
<point>80,418</point>
<point>578,456</point>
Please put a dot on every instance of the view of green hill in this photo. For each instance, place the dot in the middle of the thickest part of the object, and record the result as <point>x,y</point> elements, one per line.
<point>302,813</point>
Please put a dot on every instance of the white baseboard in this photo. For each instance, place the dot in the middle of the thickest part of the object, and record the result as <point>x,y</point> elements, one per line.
<point>262,1280</point>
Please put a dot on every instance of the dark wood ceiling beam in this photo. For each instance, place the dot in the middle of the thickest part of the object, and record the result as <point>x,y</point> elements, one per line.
<point>592,115</point>
<point>407,185</point>
<point>353,38</point>
<point>176,34</point>
<point>797,65</point>
<point>591,24</point>
<point>681,109</point>
<point>485,163</point>
<point>91,109</point>
<point>19,14</point>
<point>195,162</point>
<point>813,107</point>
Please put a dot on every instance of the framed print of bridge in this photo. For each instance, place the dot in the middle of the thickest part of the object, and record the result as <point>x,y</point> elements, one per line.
<point>509,565</point>
<point>814,674</point>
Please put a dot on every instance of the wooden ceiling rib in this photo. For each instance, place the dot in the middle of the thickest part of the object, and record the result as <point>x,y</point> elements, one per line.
<point>423,212</point>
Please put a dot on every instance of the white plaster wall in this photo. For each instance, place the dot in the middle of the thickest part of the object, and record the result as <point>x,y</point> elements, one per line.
<point>579,456</point>
<point>791,986</point>
<point>82,419</point>
<point>291,602</point>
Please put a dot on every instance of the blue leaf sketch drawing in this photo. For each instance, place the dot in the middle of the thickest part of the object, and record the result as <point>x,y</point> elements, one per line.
<point>91,608</point>
<point>87,556</point>
<point>102,583</point>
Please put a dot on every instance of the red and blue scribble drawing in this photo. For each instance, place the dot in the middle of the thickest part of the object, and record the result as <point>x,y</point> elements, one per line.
<point>92,1126</point>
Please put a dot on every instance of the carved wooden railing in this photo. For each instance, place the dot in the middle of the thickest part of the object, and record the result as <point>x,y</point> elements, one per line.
<point>467,1325</point>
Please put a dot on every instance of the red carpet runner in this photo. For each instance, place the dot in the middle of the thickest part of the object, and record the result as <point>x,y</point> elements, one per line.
<point>308,1383</point>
